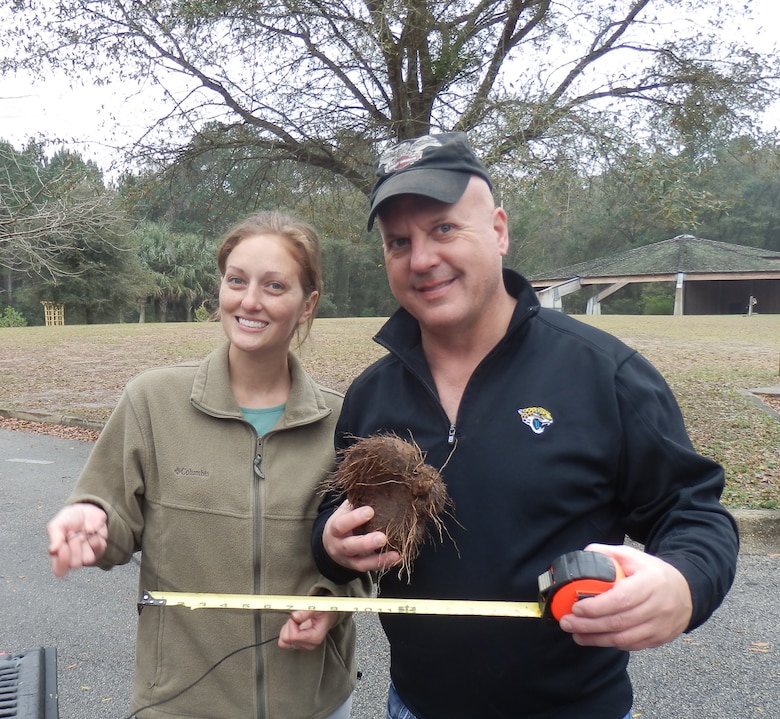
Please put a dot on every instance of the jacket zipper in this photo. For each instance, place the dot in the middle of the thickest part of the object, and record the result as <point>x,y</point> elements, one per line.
<point>388,345</point>
<point>259,662</point>
<point>258,460</point>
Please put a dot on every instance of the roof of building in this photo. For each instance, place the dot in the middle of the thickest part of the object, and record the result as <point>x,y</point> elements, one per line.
<point>684,253</point>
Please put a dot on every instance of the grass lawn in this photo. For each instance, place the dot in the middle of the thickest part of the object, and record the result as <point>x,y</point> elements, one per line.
<point>80,370</point>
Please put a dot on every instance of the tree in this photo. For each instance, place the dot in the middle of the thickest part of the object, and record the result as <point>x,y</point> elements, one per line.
<point>208,196</point>
<point>47,207</point>
<point>643,195</point>
<point>100,285</point>
<point>97,272</point>
<point>746,175</point>
<point>354,279</point>
<point>209,190</point>
<point>182,267</point>
<point>62,233</point>
<point>320,82</point>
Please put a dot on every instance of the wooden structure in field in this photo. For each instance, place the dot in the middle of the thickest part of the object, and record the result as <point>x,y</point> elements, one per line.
<point>54,313</point>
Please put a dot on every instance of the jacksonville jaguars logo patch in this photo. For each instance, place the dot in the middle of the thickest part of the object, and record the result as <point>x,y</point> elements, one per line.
<point>537,418</point>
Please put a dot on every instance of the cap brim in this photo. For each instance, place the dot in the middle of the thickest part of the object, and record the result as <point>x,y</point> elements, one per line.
<point>442,185</point>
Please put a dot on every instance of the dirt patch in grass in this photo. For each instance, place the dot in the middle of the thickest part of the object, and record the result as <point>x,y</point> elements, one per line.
<point>708,361</point>
<point>773,400</point>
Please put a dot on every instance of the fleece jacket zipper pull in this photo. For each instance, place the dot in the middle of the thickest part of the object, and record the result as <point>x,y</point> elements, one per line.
<point>258,459</point>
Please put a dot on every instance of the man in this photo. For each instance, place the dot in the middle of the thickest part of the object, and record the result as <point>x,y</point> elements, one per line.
<point>555,436</point>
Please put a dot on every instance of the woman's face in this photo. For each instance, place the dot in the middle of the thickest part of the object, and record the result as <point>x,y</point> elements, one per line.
<point>261,299</point>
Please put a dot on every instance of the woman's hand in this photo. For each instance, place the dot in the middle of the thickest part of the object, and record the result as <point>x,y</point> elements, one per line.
<point>306,629</point>
<point>78,536</point>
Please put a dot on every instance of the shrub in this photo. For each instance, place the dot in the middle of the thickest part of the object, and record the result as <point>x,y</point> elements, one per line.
<point>202,314</point>
<point>12,318</point>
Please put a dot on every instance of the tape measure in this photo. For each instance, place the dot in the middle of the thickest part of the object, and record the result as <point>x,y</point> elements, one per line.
<point>571,577</point>
<point>574,576</point>
<point>285,603</point>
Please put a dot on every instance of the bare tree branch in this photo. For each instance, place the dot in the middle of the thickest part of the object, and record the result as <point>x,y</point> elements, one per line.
<point>321,82</point>
<point>43,217</point>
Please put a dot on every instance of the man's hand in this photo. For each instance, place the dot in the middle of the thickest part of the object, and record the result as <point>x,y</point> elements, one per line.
<point>78,536</point>
<point>361,552</point>
<point>650,607</point>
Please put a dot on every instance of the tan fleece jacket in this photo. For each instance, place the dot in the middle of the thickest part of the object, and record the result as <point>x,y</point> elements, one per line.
<point>213,508</point>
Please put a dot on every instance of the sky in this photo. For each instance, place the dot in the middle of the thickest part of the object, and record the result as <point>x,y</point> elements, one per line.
<point>93,120</point>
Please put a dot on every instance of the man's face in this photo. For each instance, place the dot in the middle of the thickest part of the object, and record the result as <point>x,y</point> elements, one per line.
<point>444,261</point>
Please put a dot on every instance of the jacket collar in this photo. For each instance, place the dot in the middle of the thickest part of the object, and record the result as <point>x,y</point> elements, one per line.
<point>211,392</point>
<point>401,333</point>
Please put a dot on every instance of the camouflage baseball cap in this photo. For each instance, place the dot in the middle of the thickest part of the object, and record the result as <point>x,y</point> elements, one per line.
<point>436,166</point>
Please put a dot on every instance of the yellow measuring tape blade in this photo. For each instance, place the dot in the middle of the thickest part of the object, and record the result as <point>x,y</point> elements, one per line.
<point>386,605</point>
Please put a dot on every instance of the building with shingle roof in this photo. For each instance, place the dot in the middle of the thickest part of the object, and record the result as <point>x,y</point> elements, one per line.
<point>710,277</point>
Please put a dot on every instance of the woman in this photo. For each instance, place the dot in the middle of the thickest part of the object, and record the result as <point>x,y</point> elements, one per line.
<point>211,469</point>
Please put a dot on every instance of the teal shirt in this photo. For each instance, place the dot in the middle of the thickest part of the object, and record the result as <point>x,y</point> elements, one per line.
<point>263,420</point>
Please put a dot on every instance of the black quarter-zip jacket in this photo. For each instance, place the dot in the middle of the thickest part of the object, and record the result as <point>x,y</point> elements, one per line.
<point>564,436</point>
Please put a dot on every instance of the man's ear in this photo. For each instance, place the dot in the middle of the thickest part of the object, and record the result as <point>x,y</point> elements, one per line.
<point>501,228</point>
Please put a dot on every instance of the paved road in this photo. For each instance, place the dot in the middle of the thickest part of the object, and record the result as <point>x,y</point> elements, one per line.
<point>728,669</point>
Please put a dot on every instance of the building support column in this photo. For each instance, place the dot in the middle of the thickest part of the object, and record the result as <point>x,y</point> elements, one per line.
<point>679,294</point>
<point>594,303</point>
